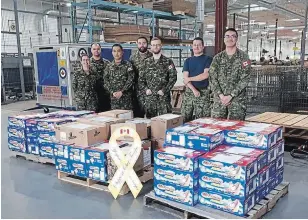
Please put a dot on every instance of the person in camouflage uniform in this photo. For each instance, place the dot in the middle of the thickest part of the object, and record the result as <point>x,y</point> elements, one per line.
<point>99,65</point>
<point>119,80</point>
<point>83,86</point>
<point>229,77</point>
<point>156,80</point>
<point>137,59</point>
<point>196,102</point>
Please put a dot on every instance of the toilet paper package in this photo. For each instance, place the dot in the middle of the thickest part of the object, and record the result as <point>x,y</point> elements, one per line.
<point>62,164</point>
<point>97,154</point>
<point>21,120</point>
<point>203,139</point>
<point>179,178</point>
<point>176,193</point>
<point>46,136</point>
<point>61,150</point>
<point>77,153</point>
<point>47,149</point>
<point>235,188</point>
<point>77,168</point>
<point>226,203</point>
<point>177,158</point>
<point>97,172</point>
<point>254,135</point>
<point>49,124</point>
<point>235,167</point>
<point>17,144</point>
<point>16,132</point>
<point>260,155</point>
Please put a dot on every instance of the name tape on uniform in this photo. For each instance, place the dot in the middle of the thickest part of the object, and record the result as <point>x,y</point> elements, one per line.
<point>125,164</point>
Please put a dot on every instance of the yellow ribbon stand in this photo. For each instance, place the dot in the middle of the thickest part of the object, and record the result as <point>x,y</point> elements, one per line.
<point>125,164</point>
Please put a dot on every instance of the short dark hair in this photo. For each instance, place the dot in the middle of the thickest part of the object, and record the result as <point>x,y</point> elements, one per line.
<point>200,39</point>
<point>96,44</point>
<point>146,39</point>
<point>156,38</point>
<point>84,55</point>
<point>117,45</point>
<point>233,30</point>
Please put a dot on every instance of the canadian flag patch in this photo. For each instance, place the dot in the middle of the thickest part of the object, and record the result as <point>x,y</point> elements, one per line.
<point>246,63</point>
<point>171,66</point>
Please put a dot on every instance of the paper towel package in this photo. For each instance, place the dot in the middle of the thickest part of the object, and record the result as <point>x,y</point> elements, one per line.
<point>226,203</point>
<point>46,136</point>
<point>49,124</point>
<point>97,154</point>
<point>235,167</point>
<point>260,155</point>
<point>179,178</point>
<point>20,120</point>
<point>62,164</point>
<point>17,144</point>
<point>192,137</point>
<point>78,168</point>
<point>176,193</point>
<point>61,150</point>
<point>16,132</point>
<point>47,149</point>
<point>97,172</point>
<point>254,135</point>
<point>235,188</point>
<point>177,158</point>
<point>77,153</point>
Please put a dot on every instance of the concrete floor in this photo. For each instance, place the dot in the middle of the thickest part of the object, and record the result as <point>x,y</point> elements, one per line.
<point>34,191</point>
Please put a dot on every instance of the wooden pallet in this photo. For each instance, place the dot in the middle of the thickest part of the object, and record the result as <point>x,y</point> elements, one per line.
<point>32,157</point>
<point>295,125</point>
<point>184,211</point>
<point>102,186</point>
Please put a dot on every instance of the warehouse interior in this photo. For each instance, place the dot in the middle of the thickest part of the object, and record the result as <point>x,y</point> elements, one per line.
<point>273,33</point>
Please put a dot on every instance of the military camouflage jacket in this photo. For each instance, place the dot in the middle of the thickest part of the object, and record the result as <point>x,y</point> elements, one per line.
<point>160,75</point>
<point>99,66</point>
<point>230,76</point>
<point>84,89</point>
<point>119,77</point>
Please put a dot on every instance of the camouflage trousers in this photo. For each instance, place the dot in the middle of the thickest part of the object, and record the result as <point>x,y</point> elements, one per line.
<point>196,107</point>
<point>235,111</point>
<point>157,105</point>
<point>86,104</point>
<point>138,106</point>
<point>125,102</point>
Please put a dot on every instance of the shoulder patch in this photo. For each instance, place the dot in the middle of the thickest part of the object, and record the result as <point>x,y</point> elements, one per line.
<point>171,66</point>
<point>246,63</point>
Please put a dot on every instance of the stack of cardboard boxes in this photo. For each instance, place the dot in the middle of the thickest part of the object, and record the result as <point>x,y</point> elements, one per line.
<point>238,162</point>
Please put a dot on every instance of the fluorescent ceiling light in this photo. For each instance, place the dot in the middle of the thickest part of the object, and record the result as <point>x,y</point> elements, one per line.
<point>210,25</point>
<point>245,31</point>
<point>271,33</point>
<point>255,32</point>
<point>272,25</point>
<point>68,4</point>
<point>261,23</point>
<point>295,30</point>
<point>280,28</point>
<point>294,19</point>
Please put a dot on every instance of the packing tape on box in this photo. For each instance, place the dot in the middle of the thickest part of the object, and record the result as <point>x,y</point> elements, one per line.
<point>125,164</point>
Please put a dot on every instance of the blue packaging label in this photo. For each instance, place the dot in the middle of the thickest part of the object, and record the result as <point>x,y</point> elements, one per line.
<point>32,140</point>
<point>33,149</point>
<point>98,173</point>
<point>228,170</point>
<point>263,160</point>
<point>175,162</point>
<point>16,122</point>
<point>61,150</point>
<point>95,157</point>
<point>263,176</point>
<point>237,189</point>
<point>279,162</point>
<point>47,149</point>
<point>16,132</point>
<point>62,164</point>
<point>280,148</point>
<point>178,178</point>
<point>46,136</point>
<point>279,176</point>
<point>272,183</point>
<point>226,203</point>
<point>261,193</point>
<point>76,154</point>
<point>17,144</point>
<point>272,168</point>
<point>279,134</point>
<point>272,154</point>
<point>78,169</point>
<point>176,193</point>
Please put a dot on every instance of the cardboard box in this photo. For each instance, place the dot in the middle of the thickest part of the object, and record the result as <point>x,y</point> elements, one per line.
<point>49,124</point>
<point>61,150</point>
<point>62,164</point>
<point>47,149</point>
<point>235,188</point>
<point>17,144</point>
<point>76,153</point>
<point>226,203</point>
<point>175,193</point>
<point>82,134</point>
<point>279,162</point>
<point>260,155</point>
<point>140,128</point>
<point>97,154</point>
<point>157,143</point>
<point>203,139</point>
<point>66,113</point>
<point>16,132</point>
<point>147,153</point>
<point>174,177</point>
<point>221,124</point>
<point>160,124</point>
<point>78,169</point>
<point>99,119</point>
<point>142,120</point>
<point>261,193</point>
<point>235,167</point>
<point>177,158</point>
<point>46,136</point>
<point>123,114</point>
<point>97,172</point>
<point>254,135</point>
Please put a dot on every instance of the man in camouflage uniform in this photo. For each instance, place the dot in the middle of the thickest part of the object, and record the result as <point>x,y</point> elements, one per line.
<point>196,103</point>
<point>229,77</point>
<point>98,65</point>
<point>156,81</point>
<point>119,80</point>
<point>83,86</point>
<point>137,59</point>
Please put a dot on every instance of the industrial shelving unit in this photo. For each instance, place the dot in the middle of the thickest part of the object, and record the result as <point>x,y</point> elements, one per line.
<point>176,52</point>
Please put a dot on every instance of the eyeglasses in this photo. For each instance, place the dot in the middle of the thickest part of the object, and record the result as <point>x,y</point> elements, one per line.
<point>155,45</point>
<point>230,36</point>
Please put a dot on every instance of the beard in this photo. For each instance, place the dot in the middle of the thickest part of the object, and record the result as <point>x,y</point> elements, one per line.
<point>143,49</point>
